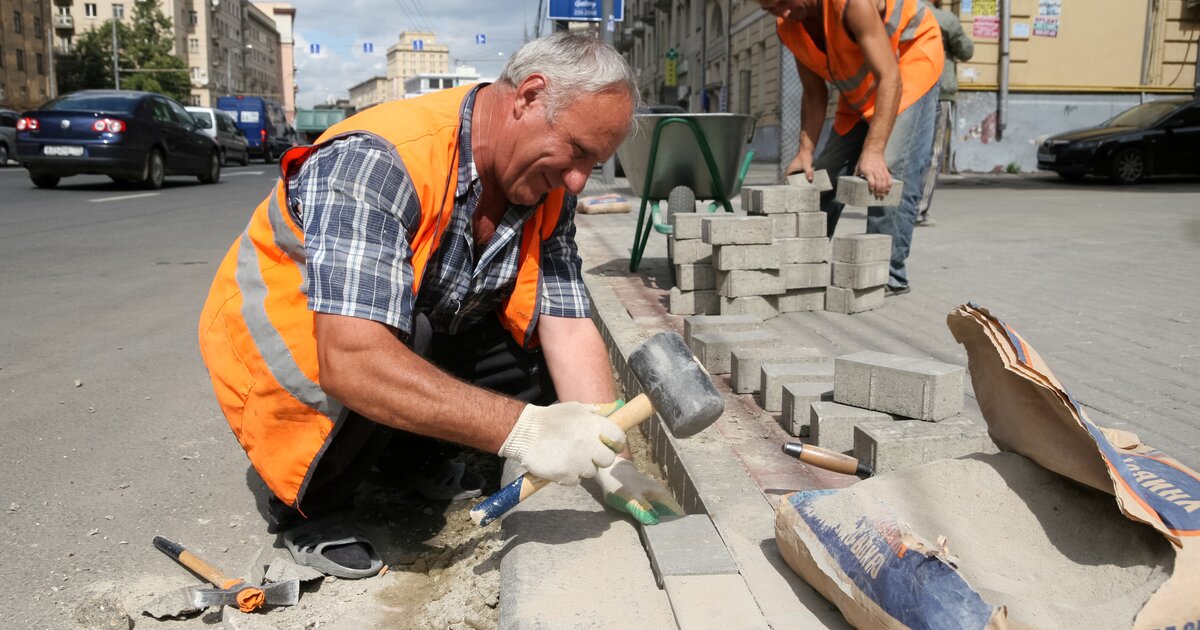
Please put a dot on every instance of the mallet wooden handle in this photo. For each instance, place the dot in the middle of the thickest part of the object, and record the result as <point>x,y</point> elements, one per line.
<point>194,563</point>
<point>630,415</point>
<point>827,459</point>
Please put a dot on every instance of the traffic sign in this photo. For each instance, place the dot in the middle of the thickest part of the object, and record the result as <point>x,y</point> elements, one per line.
<point>481,39</point>
<point>368,47</point>
<point>583,10</point>
<point>418,44</point>
<point>314,49</point>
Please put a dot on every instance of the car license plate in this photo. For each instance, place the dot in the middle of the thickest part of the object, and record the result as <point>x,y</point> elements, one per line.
<point>62,151</point>
<point>1046,157</point>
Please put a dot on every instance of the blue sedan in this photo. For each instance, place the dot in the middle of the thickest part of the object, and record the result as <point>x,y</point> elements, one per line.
<point>133,137</point>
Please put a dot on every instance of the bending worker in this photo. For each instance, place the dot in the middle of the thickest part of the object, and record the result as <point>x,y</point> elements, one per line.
<point>412,280</point>
<point>884,57</point>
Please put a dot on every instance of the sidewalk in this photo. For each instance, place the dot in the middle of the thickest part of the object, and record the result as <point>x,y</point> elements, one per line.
<point>1118,329</point>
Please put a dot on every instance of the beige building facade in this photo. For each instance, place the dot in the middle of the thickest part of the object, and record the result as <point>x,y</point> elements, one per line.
<point>285,23</point>
<point>25,55</point>
<point>416,52</point>
<point>373,91</point>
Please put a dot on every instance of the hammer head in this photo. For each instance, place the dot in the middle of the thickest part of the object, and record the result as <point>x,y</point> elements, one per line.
<point>285,593</point>
<point>680,390</point>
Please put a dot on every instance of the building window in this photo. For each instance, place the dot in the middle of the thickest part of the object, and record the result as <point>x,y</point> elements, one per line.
<point>89,9</point>
<point>193,45</point>
<point>40,62</point>
<point>194,100</point>
<point>16,21</point>
<point>20,60</point>
<point>37,27</point>
<point>119,11</point>
<point>193,18</point>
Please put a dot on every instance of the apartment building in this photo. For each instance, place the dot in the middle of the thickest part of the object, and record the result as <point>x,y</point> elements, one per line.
<point>26,75</point>
<point>416,52</point>
<point>373,91</point>
<point>1072,63</point>
<point>285,22</point>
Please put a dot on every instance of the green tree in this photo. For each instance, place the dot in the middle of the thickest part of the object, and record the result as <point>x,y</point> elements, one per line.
<point>144,42</point>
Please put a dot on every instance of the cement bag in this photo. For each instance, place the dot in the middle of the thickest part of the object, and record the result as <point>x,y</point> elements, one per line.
<point>1028,538</point>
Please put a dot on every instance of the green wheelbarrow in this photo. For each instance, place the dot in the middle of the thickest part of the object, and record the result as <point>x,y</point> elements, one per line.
<point>681,158</point>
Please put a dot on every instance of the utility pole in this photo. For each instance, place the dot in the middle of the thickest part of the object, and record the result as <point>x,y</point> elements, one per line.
<point>608,171</point>
<point>116,65</point>
<point>53,91</point>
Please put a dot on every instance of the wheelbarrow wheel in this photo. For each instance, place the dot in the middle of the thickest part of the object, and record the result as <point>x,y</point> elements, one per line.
<point>681,199</point>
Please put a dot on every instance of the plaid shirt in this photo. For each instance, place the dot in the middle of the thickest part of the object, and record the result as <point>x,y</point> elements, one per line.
<point>359,211</point>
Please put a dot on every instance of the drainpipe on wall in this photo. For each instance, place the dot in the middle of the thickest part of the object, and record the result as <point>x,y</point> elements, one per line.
<point>608,171</point>
<point>729,56</point>
<point>1147,39</point>
<point>704,55</point>
<point>1196,82</point>
<point>1005,56</point>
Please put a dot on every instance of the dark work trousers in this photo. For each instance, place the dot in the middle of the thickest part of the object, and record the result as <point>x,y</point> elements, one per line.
<point>485,355</point>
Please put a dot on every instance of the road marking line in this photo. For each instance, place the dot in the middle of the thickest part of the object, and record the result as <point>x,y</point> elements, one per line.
<point>123,197</point>
<point>228,174</point>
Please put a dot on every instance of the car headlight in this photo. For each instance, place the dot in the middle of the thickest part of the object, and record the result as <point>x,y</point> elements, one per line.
<point>1086,145</point>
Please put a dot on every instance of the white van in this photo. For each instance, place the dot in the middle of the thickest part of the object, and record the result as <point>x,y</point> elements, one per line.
<point>220,127</point>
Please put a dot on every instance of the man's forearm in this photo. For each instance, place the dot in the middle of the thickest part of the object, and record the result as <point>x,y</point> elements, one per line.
<point>577,358</point>
<point>887,106</point>
<point>812,118</point>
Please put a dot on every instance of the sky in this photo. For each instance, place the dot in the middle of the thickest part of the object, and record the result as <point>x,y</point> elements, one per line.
<point>341,27</point>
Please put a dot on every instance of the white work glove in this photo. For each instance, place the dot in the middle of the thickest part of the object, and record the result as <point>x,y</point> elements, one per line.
<point>563,442</point>
<point>628,490</point>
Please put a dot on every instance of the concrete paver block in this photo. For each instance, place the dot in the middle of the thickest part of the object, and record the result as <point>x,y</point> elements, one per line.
<point>855,192</point>
<point>794,251</point>
<point>743,282</point>
<point>695,277</point>
<point>862,248</point>
<point>776,375</point>
<point>760,306</point>
<point>729,257</point>
<point>786,225</point>
<point>797,398</point>
<point>767,200</point>
<point>688,225</point>
<point>812,225</point>
<point>686,545</point>
<point>914,388</point>
<point>737,230</point>
<point>896,445</point>
<point>713,602</point>
<point>719,323</point>
<point>746,364</point>
<point>800,300</point>
<point>689,251</point>
<point>751,198</point>
<point>849,301</point>
<point>805,276</point>
<point>820,180</point>
<point>704,302</point>
<point>714,349</point>
<point>831,425</point>
<point>860,275</point>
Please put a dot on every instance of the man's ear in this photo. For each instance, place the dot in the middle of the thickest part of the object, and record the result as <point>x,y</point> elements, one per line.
<point>531,96</point>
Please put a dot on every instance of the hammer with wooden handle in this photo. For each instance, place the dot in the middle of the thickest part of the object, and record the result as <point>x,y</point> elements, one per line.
<point>675,386</point>
<point>827,459</point>
<point>229,591</point>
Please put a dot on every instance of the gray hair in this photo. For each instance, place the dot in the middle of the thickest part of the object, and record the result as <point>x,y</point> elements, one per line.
<point>574,64</point>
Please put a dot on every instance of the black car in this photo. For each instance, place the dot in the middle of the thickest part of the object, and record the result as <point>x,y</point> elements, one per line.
<point>1155,138</point>
<point>129,136</point>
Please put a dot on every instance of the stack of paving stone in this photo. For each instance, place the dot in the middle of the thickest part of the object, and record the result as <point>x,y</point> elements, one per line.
<point>694,292</point>
<point>891,411</point>
<point>860,272</point>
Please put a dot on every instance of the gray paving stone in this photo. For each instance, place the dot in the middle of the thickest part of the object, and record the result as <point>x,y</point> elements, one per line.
<point>786,225</point>
<point>855,192</point>
<point>861,248</point>
<point>689,251</point>
<point>776,375</point>
<point>889,446</point>
<point>688,225</point>
<point>729,257</point>
<point>751,198</point>
<point>738,230</point>
<point>704,302</point>
<point>820,180</point>
<point>914,388</point>
<point>794,251</point>
<point>761,306</point>
<point>719,323</point>
<point>767,200</point>
<point>695,277</point>
<point>799,300</point>
<point>744,282</point>
<point>860,275</point>
<point>686,545</point>
<point>805,276</point>
<point>850,301</point>
<point>714,349</point>
<point>812,225</point>
<point>746,363</point>
<point>797,399</point>
<point>713,602</point>
<point>832,424</point>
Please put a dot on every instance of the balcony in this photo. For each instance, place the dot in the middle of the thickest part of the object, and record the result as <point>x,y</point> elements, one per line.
<point>64,22</point>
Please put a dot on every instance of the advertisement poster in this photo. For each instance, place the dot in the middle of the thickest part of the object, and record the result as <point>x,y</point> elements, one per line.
<point>967,8</point>
<point>986,27</point>
<point>984,8</point>
<point>1050,7</point>
<point>1045,26</point>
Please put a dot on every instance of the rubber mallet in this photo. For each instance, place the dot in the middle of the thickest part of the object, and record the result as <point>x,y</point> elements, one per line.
<point>674,385</point>
<point>229,591</point>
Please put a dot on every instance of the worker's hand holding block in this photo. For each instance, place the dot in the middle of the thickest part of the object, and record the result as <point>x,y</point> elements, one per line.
<point>820,180</point>
<point>856,192</point>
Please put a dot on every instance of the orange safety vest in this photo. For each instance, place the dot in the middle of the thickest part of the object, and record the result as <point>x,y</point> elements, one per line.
<point>256,332</point>
<point>915,38</point>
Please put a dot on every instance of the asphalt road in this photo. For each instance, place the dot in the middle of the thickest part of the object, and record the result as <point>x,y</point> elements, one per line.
<point>110,431</point>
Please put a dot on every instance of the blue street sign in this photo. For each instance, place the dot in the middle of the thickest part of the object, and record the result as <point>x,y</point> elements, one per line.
<point>418,44</point>
<point>368,47</point>
<point>583,10</point>
<point>481,39</point>
<point>314,49</point>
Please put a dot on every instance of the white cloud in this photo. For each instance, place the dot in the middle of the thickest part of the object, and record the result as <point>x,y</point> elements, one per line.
<point>341,27</point>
